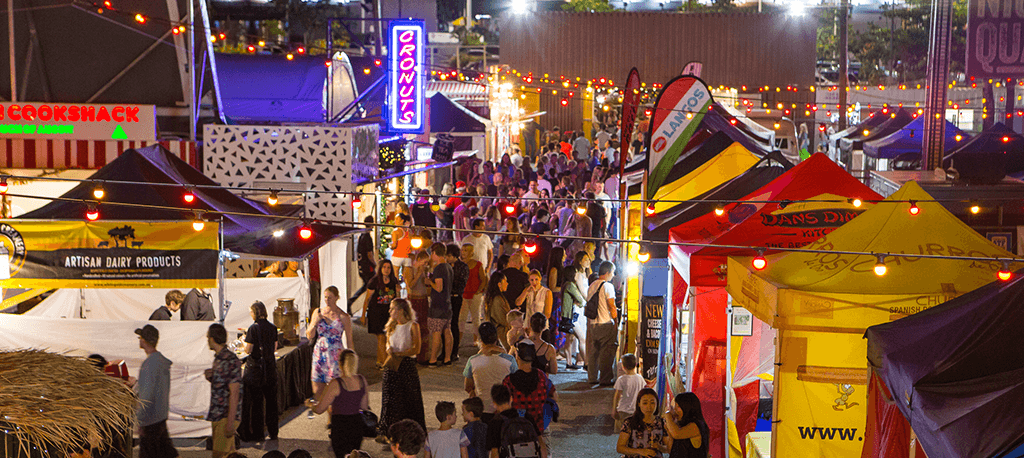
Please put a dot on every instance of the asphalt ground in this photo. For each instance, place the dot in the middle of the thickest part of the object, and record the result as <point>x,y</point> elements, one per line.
<point>585,428</point>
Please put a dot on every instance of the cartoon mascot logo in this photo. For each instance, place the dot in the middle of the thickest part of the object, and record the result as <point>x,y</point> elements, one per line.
<point>843,401</point>
<point>15,245</point>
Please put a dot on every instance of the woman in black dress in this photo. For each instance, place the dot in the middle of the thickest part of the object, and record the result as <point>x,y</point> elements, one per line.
<point>383,289</point>
<point>259,382</point>
<point>685,424</point>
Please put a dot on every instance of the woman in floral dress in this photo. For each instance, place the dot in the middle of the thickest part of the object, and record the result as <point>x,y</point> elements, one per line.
<point>328,326</point>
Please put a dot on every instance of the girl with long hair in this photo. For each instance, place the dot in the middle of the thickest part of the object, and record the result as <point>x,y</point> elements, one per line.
<point>401,395</point>
<point>384,288</point>
<point>556,264</point>
<point>573,301</point>
<point>513,239</point>
<point>497,305</point>
<point>686,426</point>
<point>643,433</point>
<point>346,396</point>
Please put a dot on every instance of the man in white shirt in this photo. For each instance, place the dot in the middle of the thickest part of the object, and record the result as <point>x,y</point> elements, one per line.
<point>602,137</point>
<point>488,367</point>
<point>483,248</point>
<point>581,147</point>
<point>532,195</point>
<point>602,335</point>
<point>517,157</point>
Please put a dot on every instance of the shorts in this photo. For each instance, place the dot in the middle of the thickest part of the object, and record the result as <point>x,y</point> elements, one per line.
<point>438,324</point>
<point>221,442</point>
<point>398,262</point>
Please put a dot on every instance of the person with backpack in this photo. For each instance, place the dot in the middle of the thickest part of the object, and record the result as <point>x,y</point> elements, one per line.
<point>530,387</point>
<point>511,433</point>
<point>602,331</point>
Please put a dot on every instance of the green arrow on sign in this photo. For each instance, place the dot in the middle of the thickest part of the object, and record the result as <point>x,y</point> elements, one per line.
<point>119,133</point>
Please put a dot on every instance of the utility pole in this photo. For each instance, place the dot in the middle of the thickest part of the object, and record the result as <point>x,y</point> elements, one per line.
<point>469,15</point>
<point>10,43</point>
<point>844,64</point>
<point>937,77</point>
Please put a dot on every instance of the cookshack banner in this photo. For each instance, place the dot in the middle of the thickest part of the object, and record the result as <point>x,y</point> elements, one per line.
<point>108,254</point>
<point>995,30</point>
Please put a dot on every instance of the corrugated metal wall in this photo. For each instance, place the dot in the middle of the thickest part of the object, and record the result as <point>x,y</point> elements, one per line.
<point>736,49</point>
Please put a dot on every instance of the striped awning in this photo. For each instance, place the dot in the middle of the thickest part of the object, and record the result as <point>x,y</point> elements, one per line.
<point>458,90</point>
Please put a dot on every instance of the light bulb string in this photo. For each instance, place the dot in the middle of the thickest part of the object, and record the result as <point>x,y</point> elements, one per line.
<point>642,243</point>
<point>279,192</point>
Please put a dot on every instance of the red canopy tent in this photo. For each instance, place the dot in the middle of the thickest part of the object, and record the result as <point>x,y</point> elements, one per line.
<point>820,192</point>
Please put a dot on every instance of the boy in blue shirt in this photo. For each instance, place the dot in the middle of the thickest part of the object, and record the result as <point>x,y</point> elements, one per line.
<point>476,430</point>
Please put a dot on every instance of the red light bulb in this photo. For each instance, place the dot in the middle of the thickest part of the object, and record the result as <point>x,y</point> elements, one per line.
<point>92,214</point>
<point>914,209</point>
<point>649,211</point>
<point>530,247</point>
<point>305,232</point>
<point>188,197</point>
<point>510,209</point>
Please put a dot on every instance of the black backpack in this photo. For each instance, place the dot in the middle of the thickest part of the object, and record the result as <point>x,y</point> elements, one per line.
<point>519,437</point>
<point>590,310</point>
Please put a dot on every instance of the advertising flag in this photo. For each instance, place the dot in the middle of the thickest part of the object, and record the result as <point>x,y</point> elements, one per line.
<point>677,113</point>
<point>630,102</point>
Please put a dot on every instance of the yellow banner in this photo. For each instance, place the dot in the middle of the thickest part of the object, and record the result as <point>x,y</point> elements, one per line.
<point>822,395</point>
<point>108,254</point>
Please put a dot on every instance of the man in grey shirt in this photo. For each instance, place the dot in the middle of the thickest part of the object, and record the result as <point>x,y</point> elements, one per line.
<point>439,315</point>
<point>153,388</point>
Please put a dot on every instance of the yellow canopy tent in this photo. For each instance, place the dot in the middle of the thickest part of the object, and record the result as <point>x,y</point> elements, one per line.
<point>821,303</point>
<point>726,165</point>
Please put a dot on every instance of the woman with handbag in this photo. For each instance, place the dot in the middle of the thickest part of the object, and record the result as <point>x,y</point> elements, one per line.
<point>574,328</point>
<point>259,382</point>
<point>400,388</point>
<point>556,264</point>
<point>349,399</point>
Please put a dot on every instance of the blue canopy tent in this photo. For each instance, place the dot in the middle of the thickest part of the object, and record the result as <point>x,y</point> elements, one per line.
<point>909,139</point>
<point>994,153</point>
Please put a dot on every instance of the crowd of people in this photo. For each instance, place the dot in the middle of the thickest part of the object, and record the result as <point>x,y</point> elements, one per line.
<point>512,259</point>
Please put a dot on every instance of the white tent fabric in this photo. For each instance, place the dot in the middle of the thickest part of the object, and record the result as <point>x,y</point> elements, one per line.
<point>136,304</point>
<point>184,343</point>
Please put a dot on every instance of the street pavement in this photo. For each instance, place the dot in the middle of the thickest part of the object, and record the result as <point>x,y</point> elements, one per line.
<point>585,428</point>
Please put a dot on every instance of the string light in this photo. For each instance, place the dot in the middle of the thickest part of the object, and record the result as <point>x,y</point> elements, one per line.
<point>92,213</point>
<point>357,203</point>
<point>278,232</point>
<point>530,247</point>
<point>189,196</point>
<point>581,209</point>
<point>510,209</point>
<point>914,209</point>
<point>305,232</point>
<point>649,211</point>
<point>644,255</point>
<point>98,192</point>
<point>289,56</point>
<point>416,242</point>
<point>3,185</point>
<point>880,268</point>
<point>198,223</point>
<point>140,18</point>
<point>719,211</point>
<point>1004,273</point>
<point>272,198</point>
<point>759,262</point>
<point>975,209</point>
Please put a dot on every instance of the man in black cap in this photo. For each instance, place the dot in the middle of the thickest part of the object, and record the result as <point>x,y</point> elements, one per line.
<point>153,389</point>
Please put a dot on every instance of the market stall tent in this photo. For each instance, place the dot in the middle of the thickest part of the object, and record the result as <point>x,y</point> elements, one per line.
<point>752,221</point>
<point>248,229</point>
<point>992,154</point>
<point>908,140</point>
<point>820,304</point>
<point>956,371</point>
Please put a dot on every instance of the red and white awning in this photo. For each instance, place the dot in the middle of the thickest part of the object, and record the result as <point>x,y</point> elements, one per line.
<point>459,90</point>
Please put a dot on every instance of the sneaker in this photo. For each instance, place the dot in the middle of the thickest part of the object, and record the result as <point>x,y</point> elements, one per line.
<point>310,415</point>
<point>572,367</point>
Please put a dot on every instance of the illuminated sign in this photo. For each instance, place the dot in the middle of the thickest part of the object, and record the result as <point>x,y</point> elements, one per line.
<point>405,76</point>
<point>66,121</point>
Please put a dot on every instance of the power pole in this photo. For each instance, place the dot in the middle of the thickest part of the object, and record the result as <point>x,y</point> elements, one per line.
<point>10,43</point>
<point>935,93</point>
<point>844,64</point>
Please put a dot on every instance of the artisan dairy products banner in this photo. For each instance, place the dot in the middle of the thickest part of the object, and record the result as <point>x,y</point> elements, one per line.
<point>107,254</point>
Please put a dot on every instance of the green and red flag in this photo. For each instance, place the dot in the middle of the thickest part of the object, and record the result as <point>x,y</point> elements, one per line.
<point>680,107</point>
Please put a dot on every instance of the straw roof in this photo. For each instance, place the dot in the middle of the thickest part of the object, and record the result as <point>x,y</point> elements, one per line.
<point>60,404</point>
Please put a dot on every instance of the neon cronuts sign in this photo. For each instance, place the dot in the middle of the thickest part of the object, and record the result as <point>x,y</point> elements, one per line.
<point>405,76</point>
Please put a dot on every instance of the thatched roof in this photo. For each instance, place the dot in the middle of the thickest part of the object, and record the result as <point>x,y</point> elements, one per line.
<point>60,403</point>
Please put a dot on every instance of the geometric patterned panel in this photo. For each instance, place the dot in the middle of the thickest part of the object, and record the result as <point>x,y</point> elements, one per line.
<point>320,158</point>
